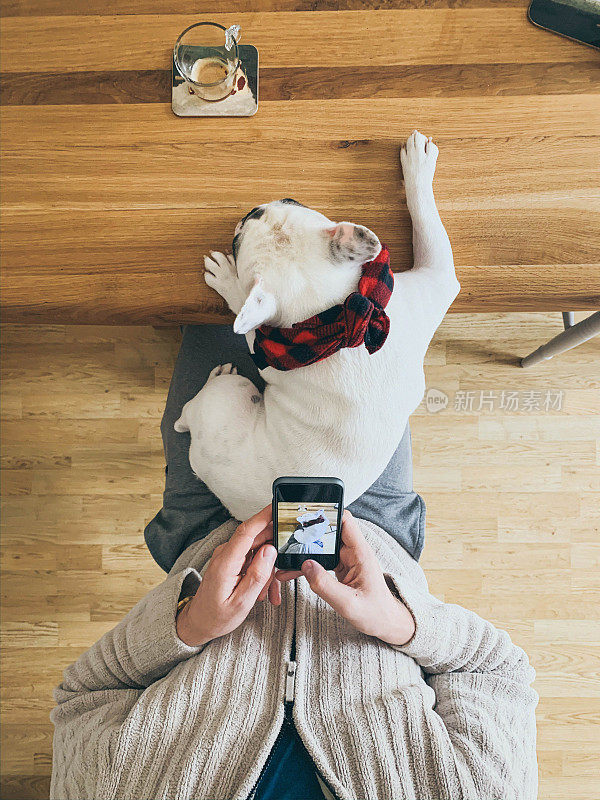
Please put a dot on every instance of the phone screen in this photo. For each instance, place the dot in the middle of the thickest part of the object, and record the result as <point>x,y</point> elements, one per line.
<point>307,522</point>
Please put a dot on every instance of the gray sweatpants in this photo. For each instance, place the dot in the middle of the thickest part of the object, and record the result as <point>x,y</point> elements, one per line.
<point>191,511</point>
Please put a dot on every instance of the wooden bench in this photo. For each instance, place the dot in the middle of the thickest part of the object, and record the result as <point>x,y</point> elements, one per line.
<point>110,201</point>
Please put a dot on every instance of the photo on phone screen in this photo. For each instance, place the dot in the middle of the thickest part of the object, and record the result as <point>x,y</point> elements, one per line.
<point>307,515</point>
<point>307,528</point>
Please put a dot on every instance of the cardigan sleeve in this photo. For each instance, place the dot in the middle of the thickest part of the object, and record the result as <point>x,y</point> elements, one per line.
<point>480,718</point>
<point>99,690</point>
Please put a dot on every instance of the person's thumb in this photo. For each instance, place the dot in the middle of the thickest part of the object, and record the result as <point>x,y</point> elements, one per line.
<point>326,585</point>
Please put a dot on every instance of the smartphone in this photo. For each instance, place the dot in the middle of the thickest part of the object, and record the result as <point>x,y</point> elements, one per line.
<point>307,521</point>
<point>577,19</point>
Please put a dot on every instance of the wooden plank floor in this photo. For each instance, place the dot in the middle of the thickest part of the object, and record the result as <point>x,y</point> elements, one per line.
<point>109,200</point>
<point>512,525</point>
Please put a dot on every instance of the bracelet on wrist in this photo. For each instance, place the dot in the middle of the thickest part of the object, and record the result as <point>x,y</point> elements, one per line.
<point>183,603</point>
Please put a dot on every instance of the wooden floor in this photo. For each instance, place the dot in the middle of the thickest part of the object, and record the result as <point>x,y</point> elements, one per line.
<point>512,520</point>
<point>109,200</point>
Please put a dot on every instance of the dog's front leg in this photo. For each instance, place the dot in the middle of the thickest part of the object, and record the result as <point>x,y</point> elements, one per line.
<point>221,275</point>
<point>431,246</point>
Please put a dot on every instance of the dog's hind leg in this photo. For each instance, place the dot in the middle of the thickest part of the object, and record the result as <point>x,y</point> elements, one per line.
<point>222,409</point>
<point>226,445</point>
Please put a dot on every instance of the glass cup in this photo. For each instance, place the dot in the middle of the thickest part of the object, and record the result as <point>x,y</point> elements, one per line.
<point>208,60</point>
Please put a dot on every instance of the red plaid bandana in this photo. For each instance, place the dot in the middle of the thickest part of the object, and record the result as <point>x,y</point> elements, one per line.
<point>359,319</point>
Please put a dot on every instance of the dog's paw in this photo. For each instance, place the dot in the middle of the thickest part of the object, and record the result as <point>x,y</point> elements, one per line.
<point>418,158</point>
<point>220,274</point>
<point>222,369</point>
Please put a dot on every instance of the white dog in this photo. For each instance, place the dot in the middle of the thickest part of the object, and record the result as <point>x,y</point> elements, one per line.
<point>344,415</point>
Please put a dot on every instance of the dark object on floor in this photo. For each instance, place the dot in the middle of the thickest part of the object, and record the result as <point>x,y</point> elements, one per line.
<point>576,19</point>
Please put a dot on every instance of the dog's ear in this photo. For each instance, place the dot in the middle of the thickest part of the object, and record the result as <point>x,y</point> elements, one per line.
<point>260,307</point>
<point>354,243</point>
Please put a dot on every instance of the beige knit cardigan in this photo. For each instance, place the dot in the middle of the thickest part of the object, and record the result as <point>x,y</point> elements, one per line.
<point>142,716</point>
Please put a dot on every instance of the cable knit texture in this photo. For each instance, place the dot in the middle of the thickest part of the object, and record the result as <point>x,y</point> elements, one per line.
<point>450,716</point>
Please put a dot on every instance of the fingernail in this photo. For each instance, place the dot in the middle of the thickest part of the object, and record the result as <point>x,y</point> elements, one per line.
<point>308,567</point>
<point>269,552</point>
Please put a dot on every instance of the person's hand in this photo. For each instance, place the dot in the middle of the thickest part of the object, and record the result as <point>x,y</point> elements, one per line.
<point>358,590</point>
<point>239,573</point>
